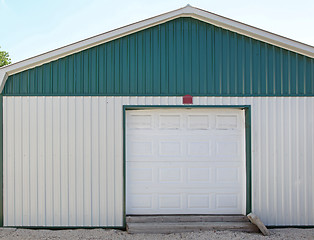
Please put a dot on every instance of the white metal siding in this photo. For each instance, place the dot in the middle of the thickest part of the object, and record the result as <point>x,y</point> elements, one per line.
<point>63,162</point>
<point>63,158</point>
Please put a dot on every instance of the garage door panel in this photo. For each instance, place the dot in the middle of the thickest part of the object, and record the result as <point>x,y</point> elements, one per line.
<point>194,203</point>
<point>198,175</point>
<point>141,148</point>
<point>199,148</point>
<point>169,122</point>
<point>198,122</point>
<point>170,201</point>
<point>194,163</point>
<point>179,190</point>
<point>143,201</point>
<point>227,174</point>
<point>193,172</point>
<point>227,122</point>
<point>189,175</point>
<point>185,161</point>
<point>227,148</point>
<point>199,201</point>
<point>140,121</point>
<point>170,148</point>
<point>141,174</point>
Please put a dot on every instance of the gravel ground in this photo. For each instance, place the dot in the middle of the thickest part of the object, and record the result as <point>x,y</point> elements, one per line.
<point>13,233</point>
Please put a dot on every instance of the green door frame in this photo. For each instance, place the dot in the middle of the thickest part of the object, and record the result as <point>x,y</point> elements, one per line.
<point>246,108</point>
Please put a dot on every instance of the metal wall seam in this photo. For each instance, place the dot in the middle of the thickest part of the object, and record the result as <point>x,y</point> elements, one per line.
<point>63,158</point>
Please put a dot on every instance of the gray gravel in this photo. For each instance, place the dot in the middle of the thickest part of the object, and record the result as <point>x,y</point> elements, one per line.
<point>13,233</point>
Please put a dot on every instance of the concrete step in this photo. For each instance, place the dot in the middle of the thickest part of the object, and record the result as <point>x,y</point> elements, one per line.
<point>188,223</point>
<point>172,227</point>
<point>186,218</point>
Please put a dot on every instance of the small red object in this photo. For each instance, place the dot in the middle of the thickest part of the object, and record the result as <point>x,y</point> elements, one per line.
<point>187,99</point>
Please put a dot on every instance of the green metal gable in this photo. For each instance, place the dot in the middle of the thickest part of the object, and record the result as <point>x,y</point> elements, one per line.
<point>182,56</point>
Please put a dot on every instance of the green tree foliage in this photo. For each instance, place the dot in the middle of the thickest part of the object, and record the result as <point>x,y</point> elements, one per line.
<point>4,58</point>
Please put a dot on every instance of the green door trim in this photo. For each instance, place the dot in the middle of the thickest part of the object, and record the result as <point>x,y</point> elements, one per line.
<point>248,165</point>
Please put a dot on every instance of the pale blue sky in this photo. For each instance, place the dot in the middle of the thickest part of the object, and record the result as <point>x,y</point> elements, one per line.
<point>33,27</point>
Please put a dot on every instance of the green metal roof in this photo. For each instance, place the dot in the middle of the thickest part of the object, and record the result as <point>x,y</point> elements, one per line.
<point>181,56</point>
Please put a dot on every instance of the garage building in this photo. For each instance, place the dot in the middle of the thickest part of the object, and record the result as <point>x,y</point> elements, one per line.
<point>98,130</point>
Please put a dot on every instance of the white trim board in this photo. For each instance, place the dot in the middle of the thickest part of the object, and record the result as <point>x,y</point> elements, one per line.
<point>187,11</point>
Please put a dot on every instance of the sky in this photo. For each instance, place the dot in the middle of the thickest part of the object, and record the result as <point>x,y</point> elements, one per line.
<point>33,27</point>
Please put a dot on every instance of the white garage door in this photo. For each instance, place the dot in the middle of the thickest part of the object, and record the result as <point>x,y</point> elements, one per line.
<point>185,161</point>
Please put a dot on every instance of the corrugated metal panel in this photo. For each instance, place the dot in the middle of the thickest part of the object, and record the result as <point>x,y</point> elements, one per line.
<point>63,162</point>
<point>182,56</point>
<point>63,158</point>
